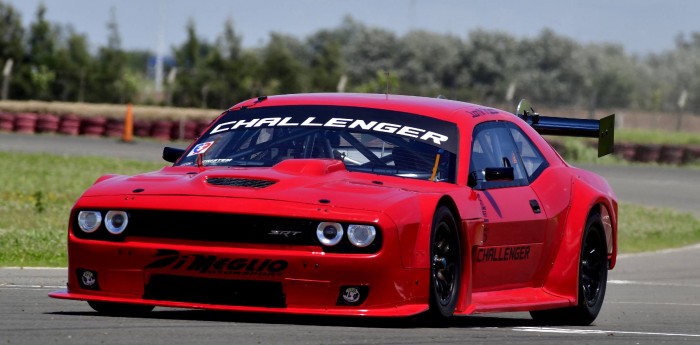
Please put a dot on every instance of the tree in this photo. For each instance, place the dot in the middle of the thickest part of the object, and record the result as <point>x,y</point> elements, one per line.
<point>669,73</point>
<point>111,81</point>
<point>11,47</point>
<point>11,33</point>
<point>608,75</point>
<point>73,61</point>
<point>237,68</point>
<point>194,77</point>
<point>429,62</point>
<point>548,73</point>
<point>491,60</point>
<point>327,65</point>
<point>367,51</point>
<point>41,58</point>
<point>281,71</point>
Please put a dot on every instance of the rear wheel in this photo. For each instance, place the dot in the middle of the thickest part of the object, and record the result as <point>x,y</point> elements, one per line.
<point>592,280</point>
<point>445,264</point>
<point>120,309</point>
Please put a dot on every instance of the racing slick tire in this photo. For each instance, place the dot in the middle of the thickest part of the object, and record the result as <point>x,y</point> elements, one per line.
<point>120,309</point>
<point>592,278</point>
<point>445,264</point>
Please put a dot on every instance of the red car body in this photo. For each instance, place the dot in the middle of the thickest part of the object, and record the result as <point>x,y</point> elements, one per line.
<point>519,244</point>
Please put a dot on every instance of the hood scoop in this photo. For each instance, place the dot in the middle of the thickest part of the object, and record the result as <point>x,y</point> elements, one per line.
<point>239,182</point>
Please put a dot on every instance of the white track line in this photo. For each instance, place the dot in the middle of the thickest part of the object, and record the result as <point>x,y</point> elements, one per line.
<point>595,331</point>
<point>657,303</point>
<point>632,282</point>
<point>664,251</point>
<point>29,287</point>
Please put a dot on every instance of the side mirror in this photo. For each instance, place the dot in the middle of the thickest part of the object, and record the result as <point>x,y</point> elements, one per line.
<point>499,174</point>
<point>172,154</point>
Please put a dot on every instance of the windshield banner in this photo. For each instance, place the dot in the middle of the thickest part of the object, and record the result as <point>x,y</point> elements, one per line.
<point>431,131</point>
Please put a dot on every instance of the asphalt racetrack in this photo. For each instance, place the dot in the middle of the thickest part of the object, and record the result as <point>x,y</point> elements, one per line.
<point>652,298</point>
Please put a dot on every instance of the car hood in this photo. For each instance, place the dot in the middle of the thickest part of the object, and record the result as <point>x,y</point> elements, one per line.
<point>311,181</point>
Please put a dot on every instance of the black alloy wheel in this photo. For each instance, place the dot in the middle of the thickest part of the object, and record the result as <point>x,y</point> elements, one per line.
<point>593,268</point>
<point>445,264</point>
<point>592,280</point>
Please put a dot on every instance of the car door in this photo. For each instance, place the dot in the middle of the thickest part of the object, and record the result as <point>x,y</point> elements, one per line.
<point>515,224</point>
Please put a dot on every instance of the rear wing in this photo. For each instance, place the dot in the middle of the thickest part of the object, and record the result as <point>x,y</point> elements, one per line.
<point>603,129</point>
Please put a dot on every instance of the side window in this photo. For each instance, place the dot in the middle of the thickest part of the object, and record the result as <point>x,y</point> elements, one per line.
<point>532,158</point>
<point>493,147</point>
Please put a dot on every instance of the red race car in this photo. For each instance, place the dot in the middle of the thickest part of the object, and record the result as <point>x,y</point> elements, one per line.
<point>354,204</point>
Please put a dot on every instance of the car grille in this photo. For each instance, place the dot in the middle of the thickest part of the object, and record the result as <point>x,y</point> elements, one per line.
<point>239,182</point>
<point>221,227</point>
<point>164,287</point>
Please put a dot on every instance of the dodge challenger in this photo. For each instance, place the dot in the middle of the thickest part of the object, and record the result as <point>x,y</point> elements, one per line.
<point>355,205</point>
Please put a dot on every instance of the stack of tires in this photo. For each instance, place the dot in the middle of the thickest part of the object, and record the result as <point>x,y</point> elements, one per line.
<point>671,154</point>
<point>97,126</point>
<point>7,122</point>
<point>47,123</point>
<point>69,125</point>
<point>142,128</point>
<point>93,126</point>
<point>25,123</point>
<point>202,126</point>
<point>114,128</point>
<point>161,129</point>
<point>691,155</point>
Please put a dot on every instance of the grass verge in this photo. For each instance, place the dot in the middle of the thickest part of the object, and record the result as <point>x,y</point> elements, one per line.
<point>39,190</point>
<point>645,136</point>
<point>644,229</point>
<point>36,196</point>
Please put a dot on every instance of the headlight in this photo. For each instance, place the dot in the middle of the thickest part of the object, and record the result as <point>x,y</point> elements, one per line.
<point>89,221</point>
<point>329,233</point>
<point>361,235</point>
<point>116,221</point>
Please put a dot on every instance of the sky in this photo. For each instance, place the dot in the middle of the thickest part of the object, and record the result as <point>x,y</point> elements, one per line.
<point>641,26</point>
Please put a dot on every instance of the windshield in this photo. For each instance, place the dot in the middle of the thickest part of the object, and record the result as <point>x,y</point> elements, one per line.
<point>366,140</point>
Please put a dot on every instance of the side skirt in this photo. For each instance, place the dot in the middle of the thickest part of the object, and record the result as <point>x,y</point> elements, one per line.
<point>522,299</point>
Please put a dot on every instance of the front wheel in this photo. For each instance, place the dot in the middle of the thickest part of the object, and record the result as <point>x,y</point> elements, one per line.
<point>120,309</point>
<point>592,280</point>
<point>445,264</point>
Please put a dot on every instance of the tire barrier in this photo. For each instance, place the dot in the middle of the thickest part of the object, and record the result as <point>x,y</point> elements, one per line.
<point>625,151</point>
<point>142,128</point>
<point>190,130</point>
<point>7,122</point>
<point>25,123</point>
<point>647,153</point>
<point>69,125</point>
<point>47,123</point>
<point>72,124</point>
<point>691,155</point>
<point>93,126</point>
<point>187,127</point>
<point>202,126</point>
<point>161,129</point>
<point>114,128</point>
<point>671,154</point>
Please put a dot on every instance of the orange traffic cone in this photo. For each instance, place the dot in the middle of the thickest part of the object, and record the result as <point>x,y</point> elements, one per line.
<point>128,125</point>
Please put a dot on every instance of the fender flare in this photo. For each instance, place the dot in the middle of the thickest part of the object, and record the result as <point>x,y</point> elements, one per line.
<point>562,279</point>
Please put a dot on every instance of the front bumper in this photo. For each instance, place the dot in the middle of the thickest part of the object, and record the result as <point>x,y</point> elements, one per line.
<point>255,278</point>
